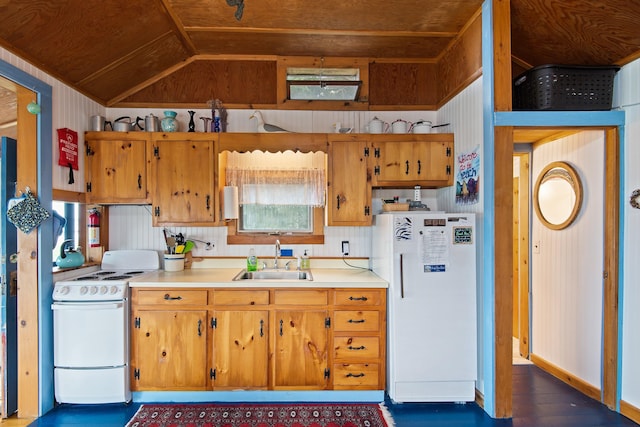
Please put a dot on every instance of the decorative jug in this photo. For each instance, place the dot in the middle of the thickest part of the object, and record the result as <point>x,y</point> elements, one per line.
<point>169,122</point>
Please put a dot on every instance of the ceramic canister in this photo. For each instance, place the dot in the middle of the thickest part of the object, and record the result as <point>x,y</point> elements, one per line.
<point>399,126</point>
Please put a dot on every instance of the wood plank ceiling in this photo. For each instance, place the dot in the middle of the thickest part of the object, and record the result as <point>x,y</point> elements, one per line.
<point>111,51</point>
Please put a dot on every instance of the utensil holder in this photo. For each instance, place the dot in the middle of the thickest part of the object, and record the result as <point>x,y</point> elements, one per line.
<point>173,262</point>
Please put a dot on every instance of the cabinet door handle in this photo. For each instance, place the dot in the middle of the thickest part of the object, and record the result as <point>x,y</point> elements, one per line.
<point>355,375</point>
<point>401,277</point>
<point>358,298</point>
<point>261,327</point>
<point>407,171</point>
<point>338,207</point>
<point>208,202</point>
<point>281,323</point>
<point>356,321</point>
<point>199,327</point>
<point>168,297</point>
<point>139,182</point>
<point>419,167</point>
<point>356,348</point>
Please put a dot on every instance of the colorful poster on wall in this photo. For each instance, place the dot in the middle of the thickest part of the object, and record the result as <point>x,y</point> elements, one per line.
<point>468,177</point>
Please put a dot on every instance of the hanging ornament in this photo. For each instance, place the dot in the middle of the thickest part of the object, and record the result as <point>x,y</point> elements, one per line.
<point>33,107</point>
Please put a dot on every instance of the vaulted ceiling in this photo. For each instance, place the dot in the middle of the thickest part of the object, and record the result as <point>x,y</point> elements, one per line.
<point>112,50</point>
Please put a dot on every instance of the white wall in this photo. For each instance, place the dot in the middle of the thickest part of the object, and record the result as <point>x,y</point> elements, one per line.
<point>464,112</point>
<point>627,97</point>
<point>71,110</point>
<point>566,270</point>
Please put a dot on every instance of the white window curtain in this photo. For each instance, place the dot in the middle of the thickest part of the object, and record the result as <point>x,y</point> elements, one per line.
<point>278,186</point>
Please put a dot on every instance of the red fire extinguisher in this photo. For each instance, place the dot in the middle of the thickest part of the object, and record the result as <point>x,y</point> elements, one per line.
<point>94,228</point>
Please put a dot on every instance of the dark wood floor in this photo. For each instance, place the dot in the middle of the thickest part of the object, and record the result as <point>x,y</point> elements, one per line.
<point>539,400</point>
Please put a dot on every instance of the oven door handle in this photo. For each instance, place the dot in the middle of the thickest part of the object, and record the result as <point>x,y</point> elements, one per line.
<point>85,305</point>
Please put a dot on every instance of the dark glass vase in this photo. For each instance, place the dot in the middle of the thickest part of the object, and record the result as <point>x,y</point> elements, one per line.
<point>192,123</point>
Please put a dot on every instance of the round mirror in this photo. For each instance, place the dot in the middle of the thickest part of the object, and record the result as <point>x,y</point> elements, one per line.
<point>557,195</point>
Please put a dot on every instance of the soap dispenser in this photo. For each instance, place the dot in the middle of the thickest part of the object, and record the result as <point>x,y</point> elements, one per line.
<point>306,262</point>
<point>252,261</point>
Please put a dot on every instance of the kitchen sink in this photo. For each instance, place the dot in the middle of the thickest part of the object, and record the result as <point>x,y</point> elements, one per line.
<point>281,275</point>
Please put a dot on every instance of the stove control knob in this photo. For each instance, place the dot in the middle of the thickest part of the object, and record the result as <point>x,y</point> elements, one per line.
<point>94,290</point>
<point>113,290</point>
<point>103,289</point>
<point>64,290</point>
<point>84,290</point>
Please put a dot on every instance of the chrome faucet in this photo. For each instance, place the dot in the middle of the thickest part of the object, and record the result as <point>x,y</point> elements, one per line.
<point>275,261</point>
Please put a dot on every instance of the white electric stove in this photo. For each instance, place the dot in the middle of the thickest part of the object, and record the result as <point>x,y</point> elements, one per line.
<point>91,329</point>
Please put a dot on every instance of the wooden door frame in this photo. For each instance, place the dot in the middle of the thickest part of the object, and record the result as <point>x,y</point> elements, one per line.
<point>35,277</point>
<point>504,294</point>
<point>523,250</point>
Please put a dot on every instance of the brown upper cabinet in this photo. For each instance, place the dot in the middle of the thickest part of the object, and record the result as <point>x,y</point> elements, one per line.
<point>182,167</point>
<point>412,159</point>
<point>115,170</point>
<point>349,180</point>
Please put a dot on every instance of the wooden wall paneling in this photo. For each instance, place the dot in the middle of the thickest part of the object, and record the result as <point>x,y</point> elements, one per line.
<point>611,273</point>
<point>243,83</point>
<point>135,68</point>
<point>392,84</point>
<point>28,364</point>
<point>462,61</point>
<point>503,205</point>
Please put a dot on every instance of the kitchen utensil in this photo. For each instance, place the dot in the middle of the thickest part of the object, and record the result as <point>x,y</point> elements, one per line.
<point>171,244</point>
<point>188,246</point>
<point>125,124</point>
<point>400,126</point>
<point>421,126</point>
<point>180,249</point>
<point>377,126</point>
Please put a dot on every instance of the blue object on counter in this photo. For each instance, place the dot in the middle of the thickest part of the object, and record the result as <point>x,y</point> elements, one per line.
<point>286,252</point>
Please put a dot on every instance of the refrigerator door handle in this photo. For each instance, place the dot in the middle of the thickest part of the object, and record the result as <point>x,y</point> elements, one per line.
<point>401,277</point>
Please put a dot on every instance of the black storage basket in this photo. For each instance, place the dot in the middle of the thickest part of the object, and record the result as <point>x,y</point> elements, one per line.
<point>565,87</point>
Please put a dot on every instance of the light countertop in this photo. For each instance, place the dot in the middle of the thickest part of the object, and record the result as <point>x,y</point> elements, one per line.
<point>326,276</point>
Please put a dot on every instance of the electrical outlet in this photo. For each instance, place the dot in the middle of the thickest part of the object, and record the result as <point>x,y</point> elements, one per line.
<point>345,247</point>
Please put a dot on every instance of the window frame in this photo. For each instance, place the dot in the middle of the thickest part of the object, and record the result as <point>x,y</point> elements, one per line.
<point>236,237</point>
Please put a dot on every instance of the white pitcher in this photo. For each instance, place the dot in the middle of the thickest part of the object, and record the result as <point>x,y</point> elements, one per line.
<point>377,126</point>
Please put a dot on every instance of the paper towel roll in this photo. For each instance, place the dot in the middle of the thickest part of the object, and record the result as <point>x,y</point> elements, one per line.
<point>230,202</point>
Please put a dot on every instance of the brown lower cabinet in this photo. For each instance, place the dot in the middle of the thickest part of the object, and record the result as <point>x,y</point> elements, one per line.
<point>258,339</point>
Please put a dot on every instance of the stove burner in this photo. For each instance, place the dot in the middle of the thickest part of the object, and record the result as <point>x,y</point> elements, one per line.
<point>121,277</point>
<point>104,273</point>
<point>92,277</point>
<point>134,272</point>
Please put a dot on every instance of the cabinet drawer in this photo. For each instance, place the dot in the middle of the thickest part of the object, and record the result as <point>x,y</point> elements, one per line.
<point>358,297</point>
<point>355,374</point>
<point>171,297</point>
<point>225,297</point>
<point>293,297</point>
<point>356,347</point>
<point>354,321</point>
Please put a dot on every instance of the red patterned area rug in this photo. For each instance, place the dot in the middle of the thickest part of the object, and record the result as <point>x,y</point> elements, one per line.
<point>262,415</point>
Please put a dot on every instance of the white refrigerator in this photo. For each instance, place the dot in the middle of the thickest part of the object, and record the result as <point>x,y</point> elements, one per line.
<point>429,260</point>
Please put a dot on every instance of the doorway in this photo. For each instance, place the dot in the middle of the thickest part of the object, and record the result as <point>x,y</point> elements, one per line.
<point>523,196</point>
